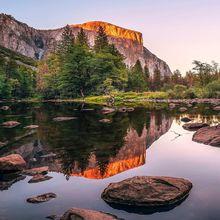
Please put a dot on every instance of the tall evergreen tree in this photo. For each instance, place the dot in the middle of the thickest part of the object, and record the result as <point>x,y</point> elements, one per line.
<point>101,41</point>
<point>136,78</point>
<point>82,38</point>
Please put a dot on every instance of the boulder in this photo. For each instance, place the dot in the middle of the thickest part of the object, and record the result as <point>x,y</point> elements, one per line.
<point>5,108</point>
<point>106,111</point>
<point>10,124</point>
<point>194,126</point>
<point>42,198</point>
<point>186,119</point>
<point>32,127</point>
<point>147,191</point>
<point>59,119</point>
<point>217,108</point>
<point>39,178</point>
<point>37,170</point>
<point>86,214</point>
<point>183,109</point>
<point>208,136</point>
<point>11,163</point>
<point>105,120</point>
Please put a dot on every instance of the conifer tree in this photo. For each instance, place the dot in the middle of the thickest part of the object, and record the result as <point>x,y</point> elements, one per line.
<point>82,38</point>
<point>101,41</point>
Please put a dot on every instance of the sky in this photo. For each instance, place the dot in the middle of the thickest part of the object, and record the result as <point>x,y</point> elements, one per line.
<point>177,31</point>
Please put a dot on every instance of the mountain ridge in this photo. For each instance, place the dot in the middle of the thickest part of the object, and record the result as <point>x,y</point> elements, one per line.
<point>35,43</point>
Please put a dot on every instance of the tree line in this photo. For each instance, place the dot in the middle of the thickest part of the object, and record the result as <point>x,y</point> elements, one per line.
<point>75,69</point>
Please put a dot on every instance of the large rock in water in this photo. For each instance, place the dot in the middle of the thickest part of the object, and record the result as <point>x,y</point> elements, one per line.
<point>194,126</point>
<point>13,162</point>
<point>86,214</point>
<point>147,191</point>
<point>208,135</point>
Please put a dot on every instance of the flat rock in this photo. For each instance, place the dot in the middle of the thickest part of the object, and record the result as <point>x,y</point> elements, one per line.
<point>39,178</point>
<point>11,163</point>
<point>37,170</point>
<point>186,119</point>
<point>194,126</point>
<point>10,124</point>
<point>147,191</point>
<point>31,127</point>
<point>59,119</point>
<point>105,120</point>
<point>106,111</point>
<point>208,136</point>
<point>86,214</point>
<point>42,198</point>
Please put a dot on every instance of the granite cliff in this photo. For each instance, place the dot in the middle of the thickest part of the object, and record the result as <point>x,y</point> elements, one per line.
<point>34,43</point>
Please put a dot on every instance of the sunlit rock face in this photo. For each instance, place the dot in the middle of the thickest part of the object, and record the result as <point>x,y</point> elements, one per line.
<point>38,43</point>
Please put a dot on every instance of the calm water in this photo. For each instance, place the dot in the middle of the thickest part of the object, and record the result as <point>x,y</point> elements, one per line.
<point>84,156</point>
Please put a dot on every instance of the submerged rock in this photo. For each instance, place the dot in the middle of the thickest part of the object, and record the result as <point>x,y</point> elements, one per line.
<point>86,214</point>
<point>106,111</point>
<point>39,178</point>
<point>42,198</point>
<point>12,163</point>
<point>59,119</point>
<point>37,170</point>
<point>32,127</point>
<point>185,119</point>
<point>208,136</point>
<point>194,126</point>
<point>10,124</point>
<point>147,191</point>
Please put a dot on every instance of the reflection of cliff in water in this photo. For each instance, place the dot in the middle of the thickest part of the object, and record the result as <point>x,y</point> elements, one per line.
<point>85,147</point>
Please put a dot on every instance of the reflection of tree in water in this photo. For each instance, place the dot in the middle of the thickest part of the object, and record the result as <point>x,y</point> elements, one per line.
<point>75,141</point>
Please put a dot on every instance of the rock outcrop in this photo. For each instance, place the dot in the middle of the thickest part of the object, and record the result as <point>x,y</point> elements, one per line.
<point>147,191</point>
<point>34,43</point>
<point>42,198</point>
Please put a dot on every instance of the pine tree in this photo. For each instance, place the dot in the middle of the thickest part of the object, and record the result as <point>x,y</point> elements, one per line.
<point>136,78</point>
<point>82,38</point>
<point>101,41</point>
<point>157,79</point>
<point>67,40</point>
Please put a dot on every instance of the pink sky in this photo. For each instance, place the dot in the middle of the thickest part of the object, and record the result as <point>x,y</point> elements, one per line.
<point>177,31</point>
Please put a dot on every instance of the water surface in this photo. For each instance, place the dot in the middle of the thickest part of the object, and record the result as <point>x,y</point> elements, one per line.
<point>85,155</point>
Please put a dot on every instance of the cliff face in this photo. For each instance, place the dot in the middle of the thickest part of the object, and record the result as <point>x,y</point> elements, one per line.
<point>34,43</point>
